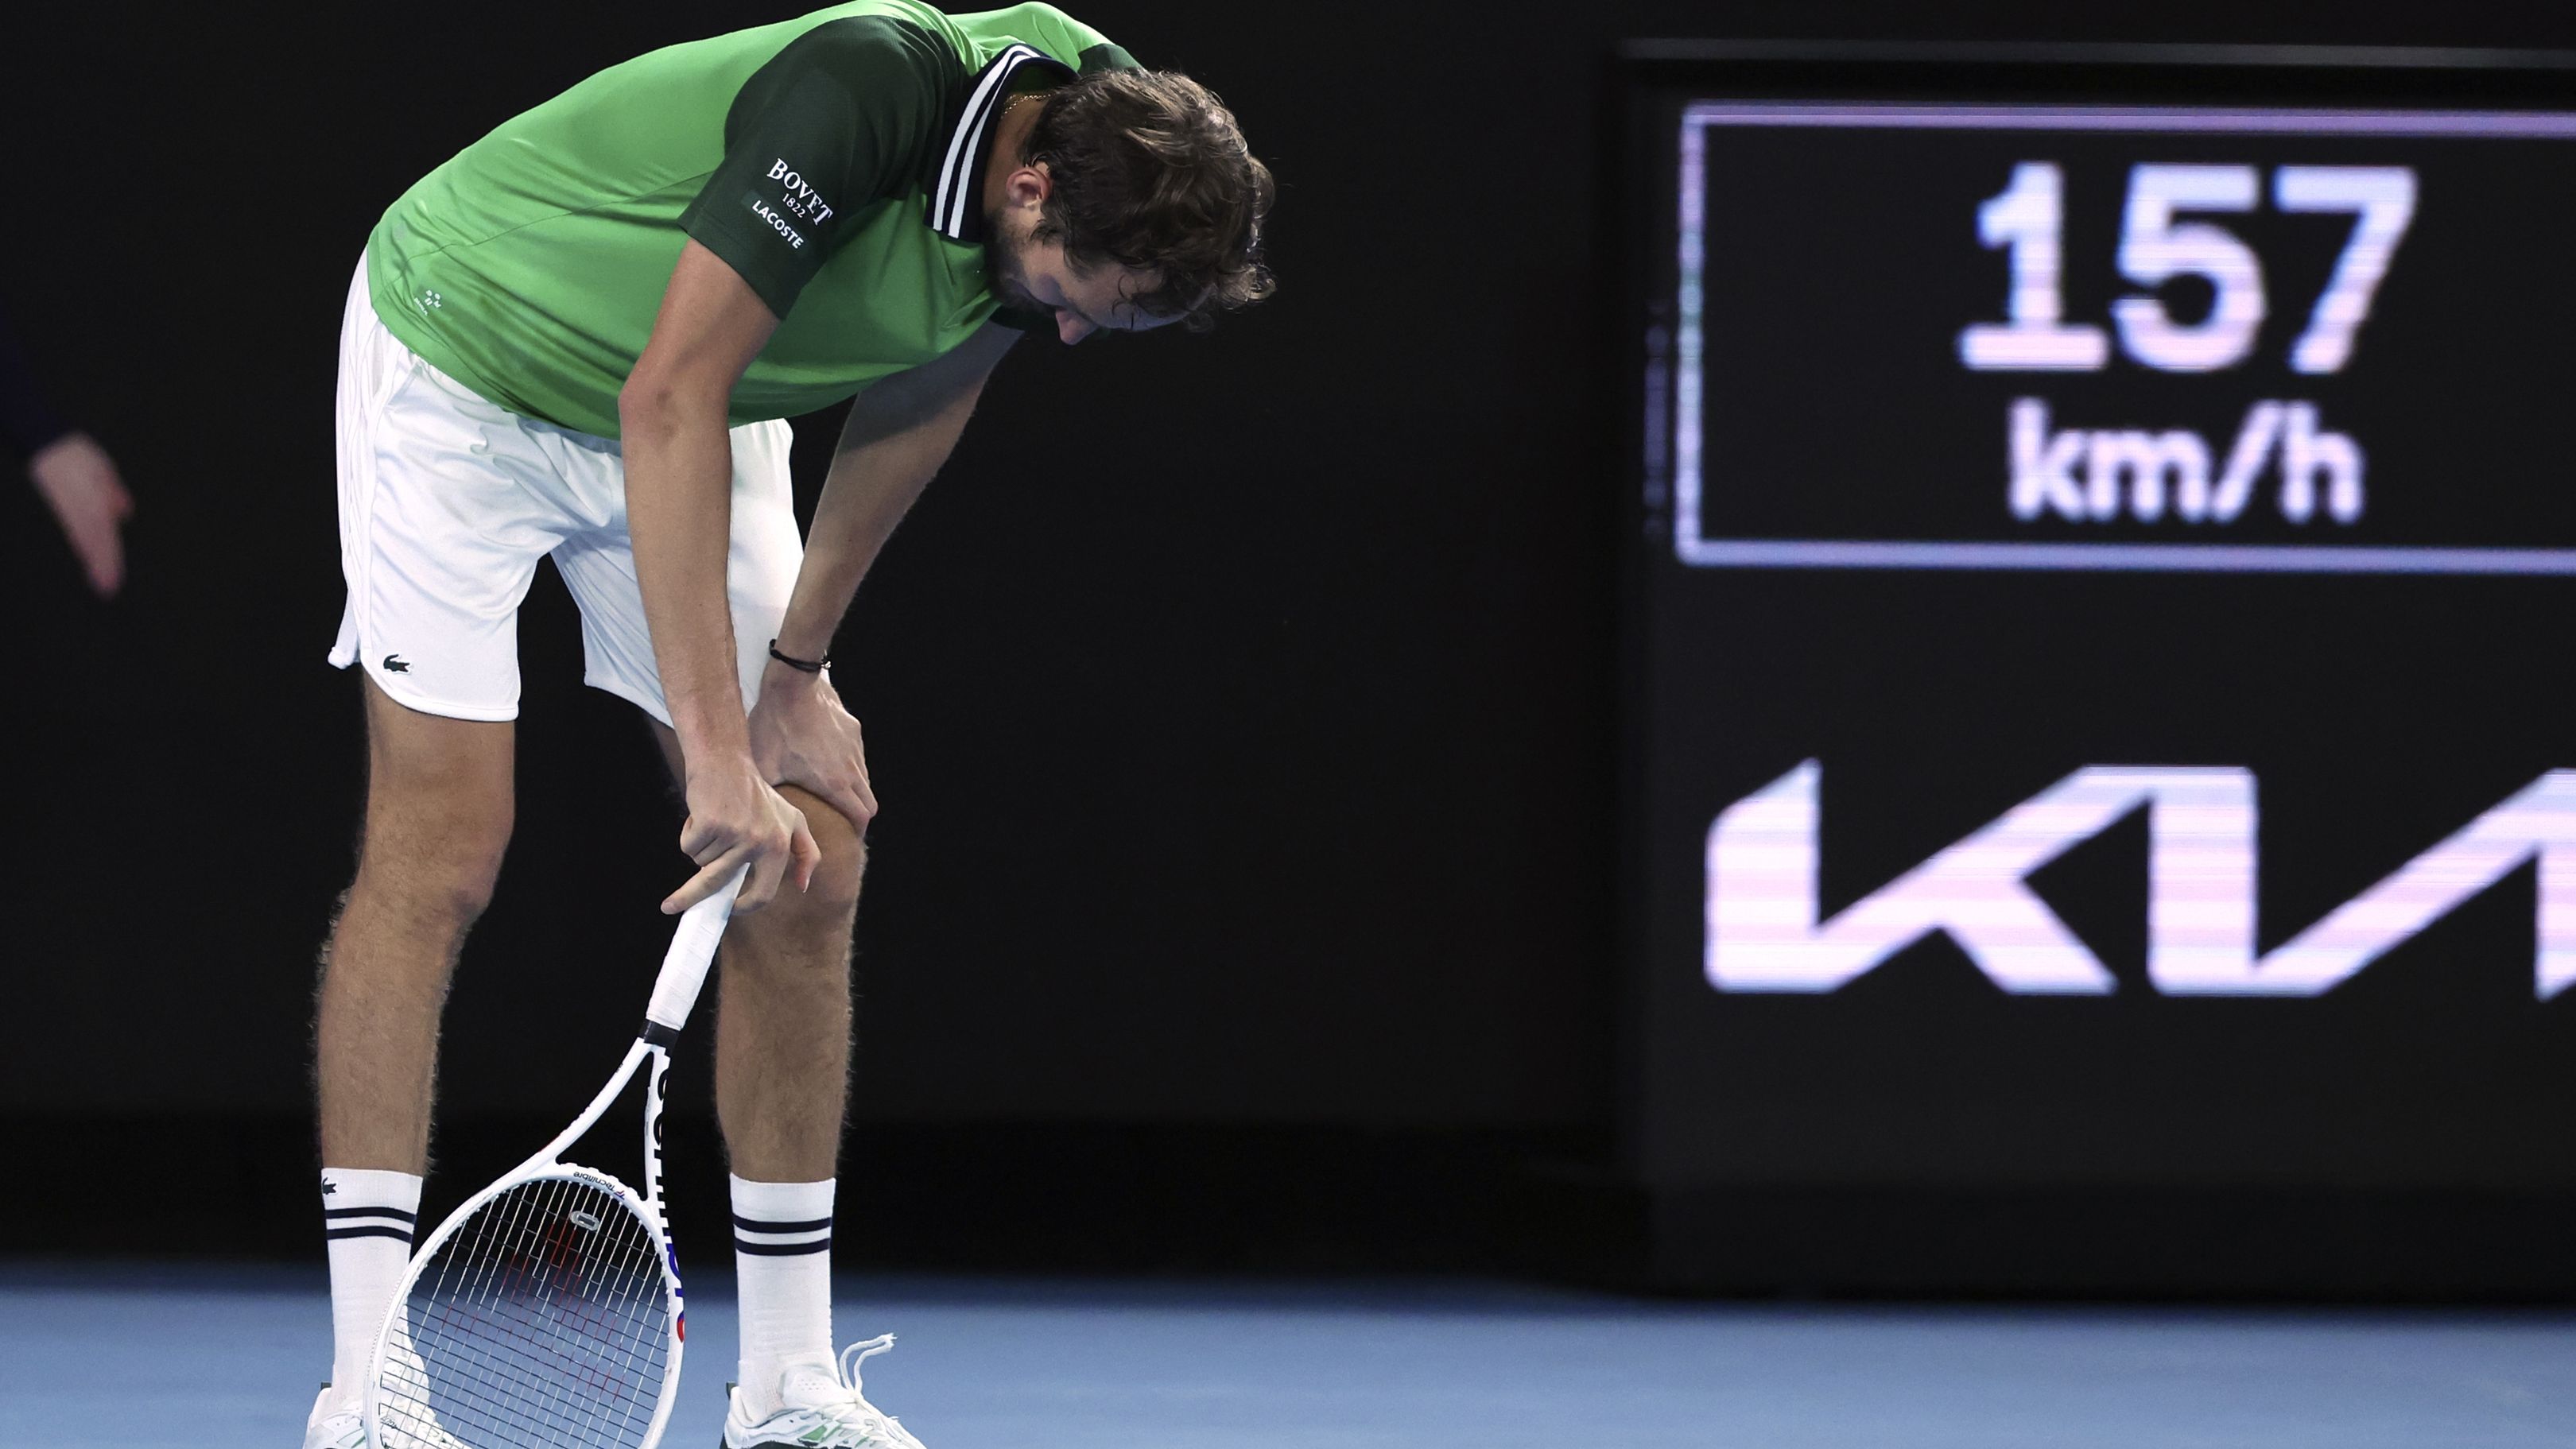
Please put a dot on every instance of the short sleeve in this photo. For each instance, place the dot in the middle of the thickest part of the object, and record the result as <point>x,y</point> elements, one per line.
<point>1106,56</point>
<point>838,120</point>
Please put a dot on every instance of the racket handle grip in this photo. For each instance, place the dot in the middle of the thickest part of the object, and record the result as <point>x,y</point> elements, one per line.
<point>693,950</point>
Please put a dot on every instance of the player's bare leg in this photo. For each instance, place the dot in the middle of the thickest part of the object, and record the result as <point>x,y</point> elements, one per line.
<point>782,1076</point>
<point>783,1011</point>
<point>439,813</point>
<point>783,1014</point>
<point>438,818</point>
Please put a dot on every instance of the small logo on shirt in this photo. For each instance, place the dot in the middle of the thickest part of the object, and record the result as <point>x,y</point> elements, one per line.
<point>428,300</point>
<point>394,665</point>
<point>801,200</point>
<point>777,223</point>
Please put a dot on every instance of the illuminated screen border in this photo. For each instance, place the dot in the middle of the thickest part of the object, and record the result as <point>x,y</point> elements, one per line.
<point>1691,548</point>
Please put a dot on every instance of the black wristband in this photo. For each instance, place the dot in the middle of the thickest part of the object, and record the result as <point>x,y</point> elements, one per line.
<point>809,666</point>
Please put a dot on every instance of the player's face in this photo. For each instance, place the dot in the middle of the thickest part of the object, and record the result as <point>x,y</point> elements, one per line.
<point>1036,275</point>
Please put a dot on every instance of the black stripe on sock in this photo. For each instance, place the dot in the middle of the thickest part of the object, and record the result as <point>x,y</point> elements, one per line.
<point>755,1225</point>
<point>335,1234</point>
<point>330,1213</point>
<point>781,1250</point>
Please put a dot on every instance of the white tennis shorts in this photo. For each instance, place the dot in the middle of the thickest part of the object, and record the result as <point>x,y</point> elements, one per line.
<point>446,504</point>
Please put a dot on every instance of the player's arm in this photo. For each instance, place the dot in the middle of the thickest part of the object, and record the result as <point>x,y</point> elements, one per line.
<point>899,432</point>
<point>842,117</point>
<point>679,505</point>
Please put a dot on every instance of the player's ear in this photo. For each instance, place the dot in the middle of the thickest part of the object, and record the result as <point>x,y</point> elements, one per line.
<point>1030,184</point>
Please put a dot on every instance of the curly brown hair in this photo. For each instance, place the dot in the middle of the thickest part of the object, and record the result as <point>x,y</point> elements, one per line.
<point>1150,172</point>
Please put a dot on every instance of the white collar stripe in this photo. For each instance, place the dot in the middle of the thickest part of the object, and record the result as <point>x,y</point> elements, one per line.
<point>956,141</point>
<point>948,209</point>
<point>981,111</point>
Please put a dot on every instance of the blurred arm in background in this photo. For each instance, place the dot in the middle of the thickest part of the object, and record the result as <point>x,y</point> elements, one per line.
<point>69,468</point>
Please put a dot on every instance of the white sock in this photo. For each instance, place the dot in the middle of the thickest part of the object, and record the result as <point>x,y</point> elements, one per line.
<point>367,1222</point>
<point>782,1256</point>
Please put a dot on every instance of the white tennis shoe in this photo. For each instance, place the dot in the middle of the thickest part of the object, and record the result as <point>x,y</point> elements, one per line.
<point>419,1434</point>
<point>822,1408</point>
<point>347,1429</point>
<point>342,1430</point>
<point>413,1425</point>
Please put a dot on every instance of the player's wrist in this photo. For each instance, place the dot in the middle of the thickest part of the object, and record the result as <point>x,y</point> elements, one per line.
<point>781,676</point>
<point>712,751</point>
<point>798,650</point>
<point>711,757</point>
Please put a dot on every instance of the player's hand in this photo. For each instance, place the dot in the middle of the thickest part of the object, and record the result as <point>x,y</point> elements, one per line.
<point>80,484</point>
<point>801,735</point>
<point>736,820</point>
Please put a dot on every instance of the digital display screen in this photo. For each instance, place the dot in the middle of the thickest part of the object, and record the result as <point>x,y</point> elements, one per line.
<point>2097,714</point>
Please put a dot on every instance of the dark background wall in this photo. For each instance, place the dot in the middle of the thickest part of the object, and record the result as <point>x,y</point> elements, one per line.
<point>1241,706</point>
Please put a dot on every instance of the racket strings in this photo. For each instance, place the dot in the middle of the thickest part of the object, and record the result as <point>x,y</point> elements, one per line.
<point>543,1328</point>
<point>542,1321</point>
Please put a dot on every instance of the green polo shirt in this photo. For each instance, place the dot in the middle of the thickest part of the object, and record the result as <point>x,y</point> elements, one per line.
<point>835,161</point>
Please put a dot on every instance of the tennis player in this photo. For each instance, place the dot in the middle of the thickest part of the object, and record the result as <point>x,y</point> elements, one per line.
<point>578,340</point>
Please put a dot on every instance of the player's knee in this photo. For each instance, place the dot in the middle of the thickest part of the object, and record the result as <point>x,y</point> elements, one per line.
<point>439,854</point>
<point>449,879</point>
<point>835,887</point>
<point>468,877</point>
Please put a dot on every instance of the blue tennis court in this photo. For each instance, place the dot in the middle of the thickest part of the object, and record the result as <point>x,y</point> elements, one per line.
<point>138,1357</point>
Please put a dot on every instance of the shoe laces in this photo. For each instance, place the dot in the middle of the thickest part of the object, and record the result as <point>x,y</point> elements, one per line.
<point>855,1412</point>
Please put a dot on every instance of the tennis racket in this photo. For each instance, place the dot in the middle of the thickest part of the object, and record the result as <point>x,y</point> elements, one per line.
<point>545,1313</point>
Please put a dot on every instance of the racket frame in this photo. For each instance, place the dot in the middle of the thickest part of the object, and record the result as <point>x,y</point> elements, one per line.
<point>675,992</point>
